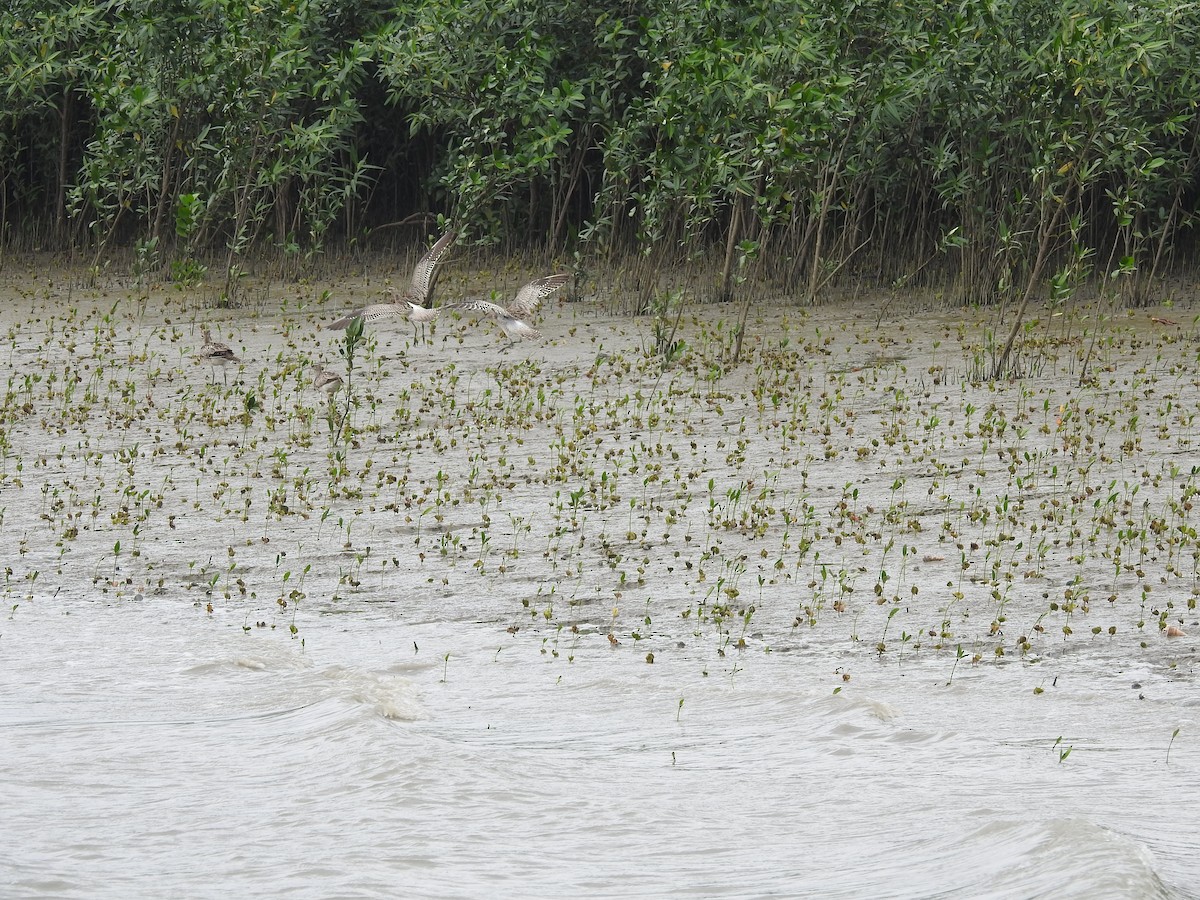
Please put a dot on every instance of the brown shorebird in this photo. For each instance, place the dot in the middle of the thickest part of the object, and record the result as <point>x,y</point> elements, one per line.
<point>411,303</point>
<point>512,318</point>
<point>325,380</point>
<point>216,354</point>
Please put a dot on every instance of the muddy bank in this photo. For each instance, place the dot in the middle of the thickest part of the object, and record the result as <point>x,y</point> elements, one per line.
<point>845,484</point>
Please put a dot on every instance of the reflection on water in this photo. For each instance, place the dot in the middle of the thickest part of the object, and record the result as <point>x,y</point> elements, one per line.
<point>145,751</point>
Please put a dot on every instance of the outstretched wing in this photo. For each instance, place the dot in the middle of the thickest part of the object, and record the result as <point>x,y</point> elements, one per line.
<point>484,308</point>
<point>534,293</point>
<point>369,315</point>
<point>422,278</point>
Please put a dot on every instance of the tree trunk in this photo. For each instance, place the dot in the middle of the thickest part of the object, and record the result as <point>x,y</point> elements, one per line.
<point>64,150</point>
<point>731,241</point>
<point>1030,286</point>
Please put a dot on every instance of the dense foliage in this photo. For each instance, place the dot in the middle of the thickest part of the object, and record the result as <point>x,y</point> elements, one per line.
<point>995,144</point>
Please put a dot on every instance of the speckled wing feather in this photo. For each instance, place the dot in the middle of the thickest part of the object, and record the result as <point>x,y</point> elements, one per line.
<point>216,352</point>
<point>534,293</point>
<point>484,307</point>
<point>422,277</point>
<point>326,380</point>
<point>369,314</point>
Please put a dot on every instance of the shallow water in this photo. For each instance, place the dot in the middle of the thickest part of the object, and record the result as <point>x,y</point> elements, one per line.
<point>465,705</point>
<point>151,751</point>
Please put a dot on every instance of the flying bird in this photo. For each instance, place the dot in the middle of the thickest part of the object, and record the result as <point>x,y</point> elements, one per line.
<point>514,317</point>
<point>417,314</point>
<point>411,303</point>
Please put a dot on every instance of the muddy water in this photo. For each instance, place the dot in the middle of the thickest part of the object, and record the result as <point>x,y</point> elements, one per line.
<point>836,622</point>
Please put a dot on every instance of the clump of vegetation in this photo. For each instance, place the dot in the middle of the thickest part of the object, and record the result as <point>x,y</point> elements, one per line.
<point>987,151</point>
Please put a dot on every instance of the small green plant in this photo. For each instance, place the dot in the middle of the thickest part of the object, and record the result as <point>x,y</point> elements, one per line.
<point>1174,734</point>
<point>667,348</point>
<point>959,655</point>
<point>337,423</point>
<point>1064,752</point>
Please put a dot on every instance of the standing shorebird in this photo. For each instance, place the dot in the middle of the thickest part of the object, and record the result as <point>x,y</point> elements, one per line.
<point>411,303</point>
<point>325,380</point>
<point>216,354</point>
<point>512,318</point>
